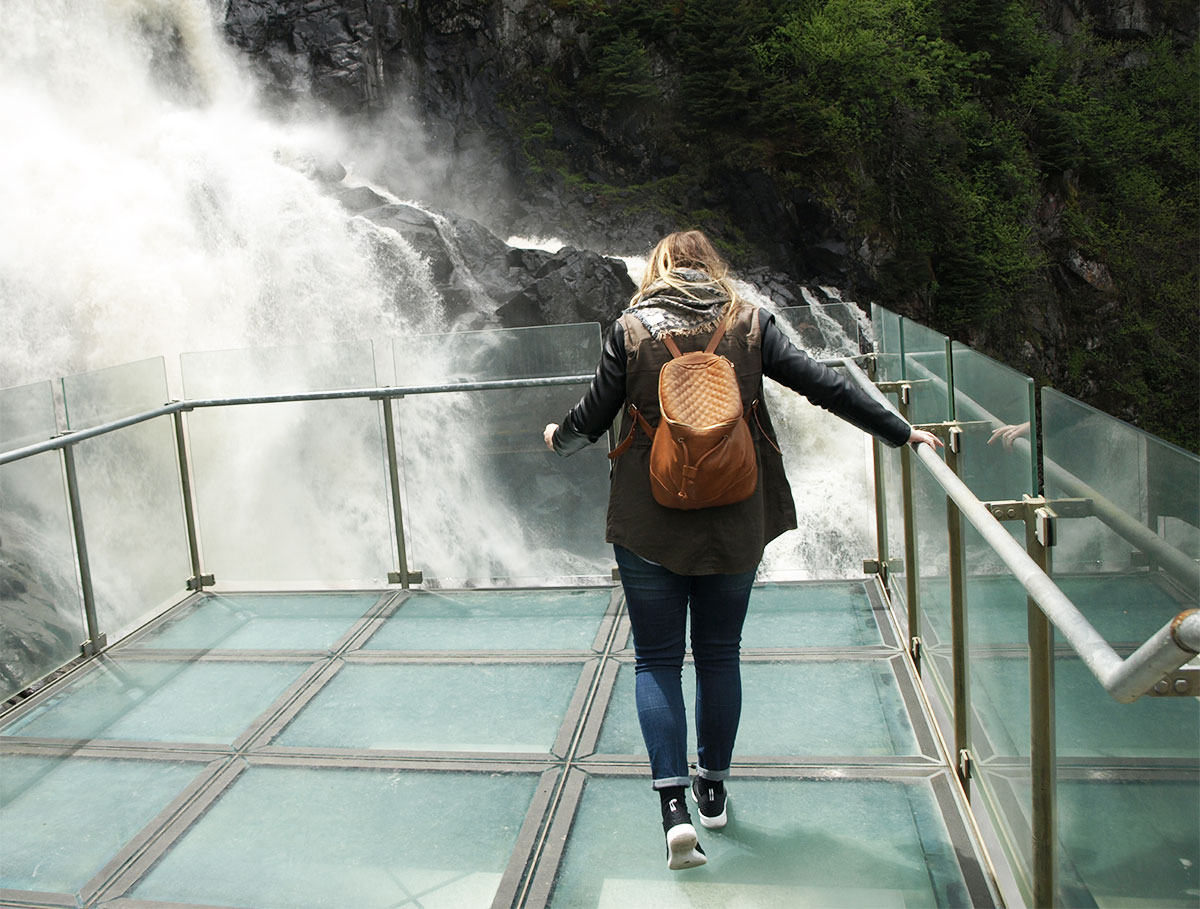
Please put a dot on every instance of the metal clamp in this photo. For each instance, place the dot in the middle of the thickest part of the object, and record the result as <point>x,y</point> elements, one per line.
<point>1182,683</point>
<point>903,389</point>
<point>414,577</point>
<point>199,583</point>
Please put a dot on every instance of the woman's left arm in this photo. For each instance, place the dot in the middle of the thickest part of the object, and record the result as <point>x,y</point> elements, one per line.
<point>790,366</point>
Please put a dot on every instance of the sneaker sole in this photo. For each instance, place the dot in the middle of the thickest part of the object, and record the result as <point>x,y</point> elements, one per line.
<point>681,848</point>
<point>712,823</point>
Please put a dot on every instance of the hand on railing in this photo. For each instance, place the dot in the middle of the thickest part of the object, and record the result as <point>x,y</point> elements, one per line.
<point>548,435</point>
<point>1009,434</point>
<point>917,436</point>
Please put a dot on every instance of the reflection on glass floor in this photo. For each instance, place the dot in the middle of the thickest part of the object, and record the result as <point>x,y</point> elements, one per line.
<point>477,748</point>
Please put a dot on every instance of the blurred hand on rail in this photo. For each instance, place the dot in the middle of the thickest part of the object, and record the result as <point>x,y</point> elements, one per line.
<point>917,436</point>
<point>548,435</point>
<point>1009,434</point>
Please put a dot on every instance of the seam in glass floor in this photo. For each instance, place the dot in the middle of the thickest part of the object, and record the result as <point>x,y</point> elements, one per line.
<point>378,714</point>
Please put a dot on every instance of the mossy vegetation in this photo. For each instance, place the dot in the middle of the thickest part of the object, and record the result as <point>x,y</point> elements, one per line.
<point>979,148</point>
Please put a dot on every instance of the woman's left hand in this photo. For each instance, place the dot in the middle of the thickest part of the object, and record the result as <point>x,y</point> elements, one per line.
<point>920,435</point>
<point>548,435</point>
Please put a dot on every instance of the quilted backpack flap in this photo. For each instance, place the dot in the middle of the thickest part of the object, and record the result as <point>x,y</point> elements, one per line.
<point>699,390</point>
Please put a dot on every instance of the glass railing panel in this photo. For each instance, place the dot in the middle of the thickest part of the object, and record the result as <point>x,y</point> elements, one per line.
<point>824,330</point>
<point>885,325</point>
<point>990,397</point>
<point>1140,497</point>
<point>1128,563</point>
<point>934,595</point>
<point>484,498</point>
<point>41,615</point>
<point>293,493</point>
<point>130,494</point>
<point>926,369</point>
<point>889,367</point>
<point>995,404</point>
<point>812,439</point>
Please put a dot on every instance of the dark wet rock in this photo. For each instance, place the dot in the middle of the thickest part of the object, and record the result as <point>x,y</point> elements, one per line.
<point>573,285</point>
<point>359,199</point>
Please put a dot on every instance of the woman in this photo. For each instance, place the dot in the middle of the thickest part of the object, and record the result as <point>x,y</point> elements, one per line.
<point>672,561</point>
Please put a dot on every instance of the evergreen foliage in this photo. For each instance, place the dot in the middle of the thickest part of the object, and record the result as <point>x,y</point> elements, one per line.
<point>976,147</point>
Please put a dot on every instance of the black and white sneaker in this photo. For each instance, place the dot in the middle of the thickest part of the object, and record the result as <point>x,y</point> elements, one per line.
<point>710,801</point>
<point>683,847</point>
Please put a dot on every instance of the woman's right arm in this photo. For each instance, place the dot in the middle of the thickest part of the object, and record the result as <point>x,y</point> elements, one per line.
<point>596,410</point>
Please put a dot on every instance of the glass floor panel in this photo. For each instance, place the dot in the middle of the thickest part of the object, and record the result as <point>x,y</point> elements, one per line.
<point>170,701</point>
<point>494,620</point>
<point>50,840</point>
<point>305,837</point>
<point>789,842</point>
<point>810,615</point>
<point>260,622</point>
<point>496,707</point>
<point>421,749</point>
<point>849,707</point>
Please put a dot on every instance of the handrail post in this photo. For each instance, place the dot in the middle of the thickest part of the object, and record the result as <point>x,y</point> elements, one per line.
<point>1042,748</point>
<point>404,577</point>
<point>958,618</point>
<point>198,578</point>
<point>97,640</point>
<point>911,567</point>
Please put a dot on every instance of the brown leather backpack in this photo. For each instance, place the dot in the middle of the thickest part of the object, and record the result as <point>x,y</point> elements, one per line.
<point>702,454</point>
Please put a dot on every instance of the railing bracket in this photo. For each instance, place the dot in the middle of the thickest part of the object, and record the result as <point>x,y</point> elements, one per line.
<point>903,389</point>
<point>1182,683</point>
<point>414,577</point>
<point>205,580</point>
<point>964,764</point>
<point>91,648</point>
<point>914,650</point>
<point>871,566</point>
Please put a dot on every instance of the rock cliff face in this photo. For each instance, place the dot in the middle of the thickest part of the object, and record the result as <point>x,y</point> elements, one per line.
<point>464,73</point>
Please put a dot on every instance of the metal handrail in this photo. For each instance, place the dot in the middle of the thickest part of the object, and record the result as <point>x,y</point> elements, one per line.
<point>387,391</point>
<point>1186,571</point>
<point>1166,650</point>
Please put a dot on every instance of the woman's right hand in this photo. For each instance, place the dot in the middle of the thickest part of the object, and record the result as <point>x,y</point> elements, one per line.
<point>548,435</point>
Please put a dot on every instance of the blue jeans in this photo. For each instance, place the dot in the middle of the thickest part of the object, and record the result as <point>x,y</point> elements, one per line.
<point>658,601</point>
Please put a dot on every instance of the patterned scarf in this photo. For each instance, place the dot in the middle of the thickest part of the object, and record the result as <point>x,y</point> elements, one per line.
<point>667,311</point>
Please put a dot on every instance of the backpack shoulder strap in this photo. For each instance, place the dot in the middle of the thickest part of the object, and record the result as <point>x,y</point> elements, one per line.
<point>712,344</point>
<point>716,338</point>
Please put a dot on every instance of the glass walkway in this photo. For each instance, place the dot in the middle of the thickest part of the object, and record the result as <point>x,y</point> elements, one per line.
<point>471,748</point>
<point>280,644</point>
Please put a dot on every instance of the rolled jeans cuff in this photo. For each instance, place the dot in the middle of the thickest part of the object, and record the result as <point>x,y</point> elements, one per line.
<point>715,775</point>
<point>669,781</point>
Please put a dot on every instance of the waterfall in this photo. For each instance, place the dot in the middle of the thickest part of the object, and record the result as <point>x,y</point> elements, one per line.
<point>150,208</point>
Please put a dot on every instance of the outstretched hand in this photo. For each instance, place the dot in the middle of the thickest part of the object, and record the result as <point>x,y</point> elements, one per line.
<point>917,436</point>
<point>548,435</point>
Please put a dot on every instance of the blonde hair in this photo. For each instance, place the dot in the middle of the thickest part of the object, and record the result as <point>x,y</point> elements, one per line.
<point>689,249</point>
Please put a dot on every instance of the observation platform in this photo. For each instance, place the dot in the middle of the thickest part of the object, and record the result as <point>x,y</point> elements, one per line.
<point>375,699</point>
<point>471,748</point>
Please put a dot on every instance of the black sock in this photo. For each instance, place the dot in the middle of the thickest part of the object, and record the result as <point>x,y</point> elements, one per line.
<point>670,792</point>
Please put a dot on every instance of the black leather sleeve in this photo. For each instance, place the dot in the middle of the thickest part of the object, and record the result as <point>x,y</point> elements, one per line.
<point>596,410</point>
<point>827,388</point>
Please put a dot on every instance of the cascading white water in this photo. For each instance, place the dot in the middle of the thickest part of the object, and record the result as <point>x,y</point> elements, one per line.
<point>151,208</point>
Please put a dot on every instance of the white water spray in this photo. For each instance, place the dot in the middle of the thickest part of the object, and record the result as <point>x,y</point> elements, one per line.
<point>151,209</point>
